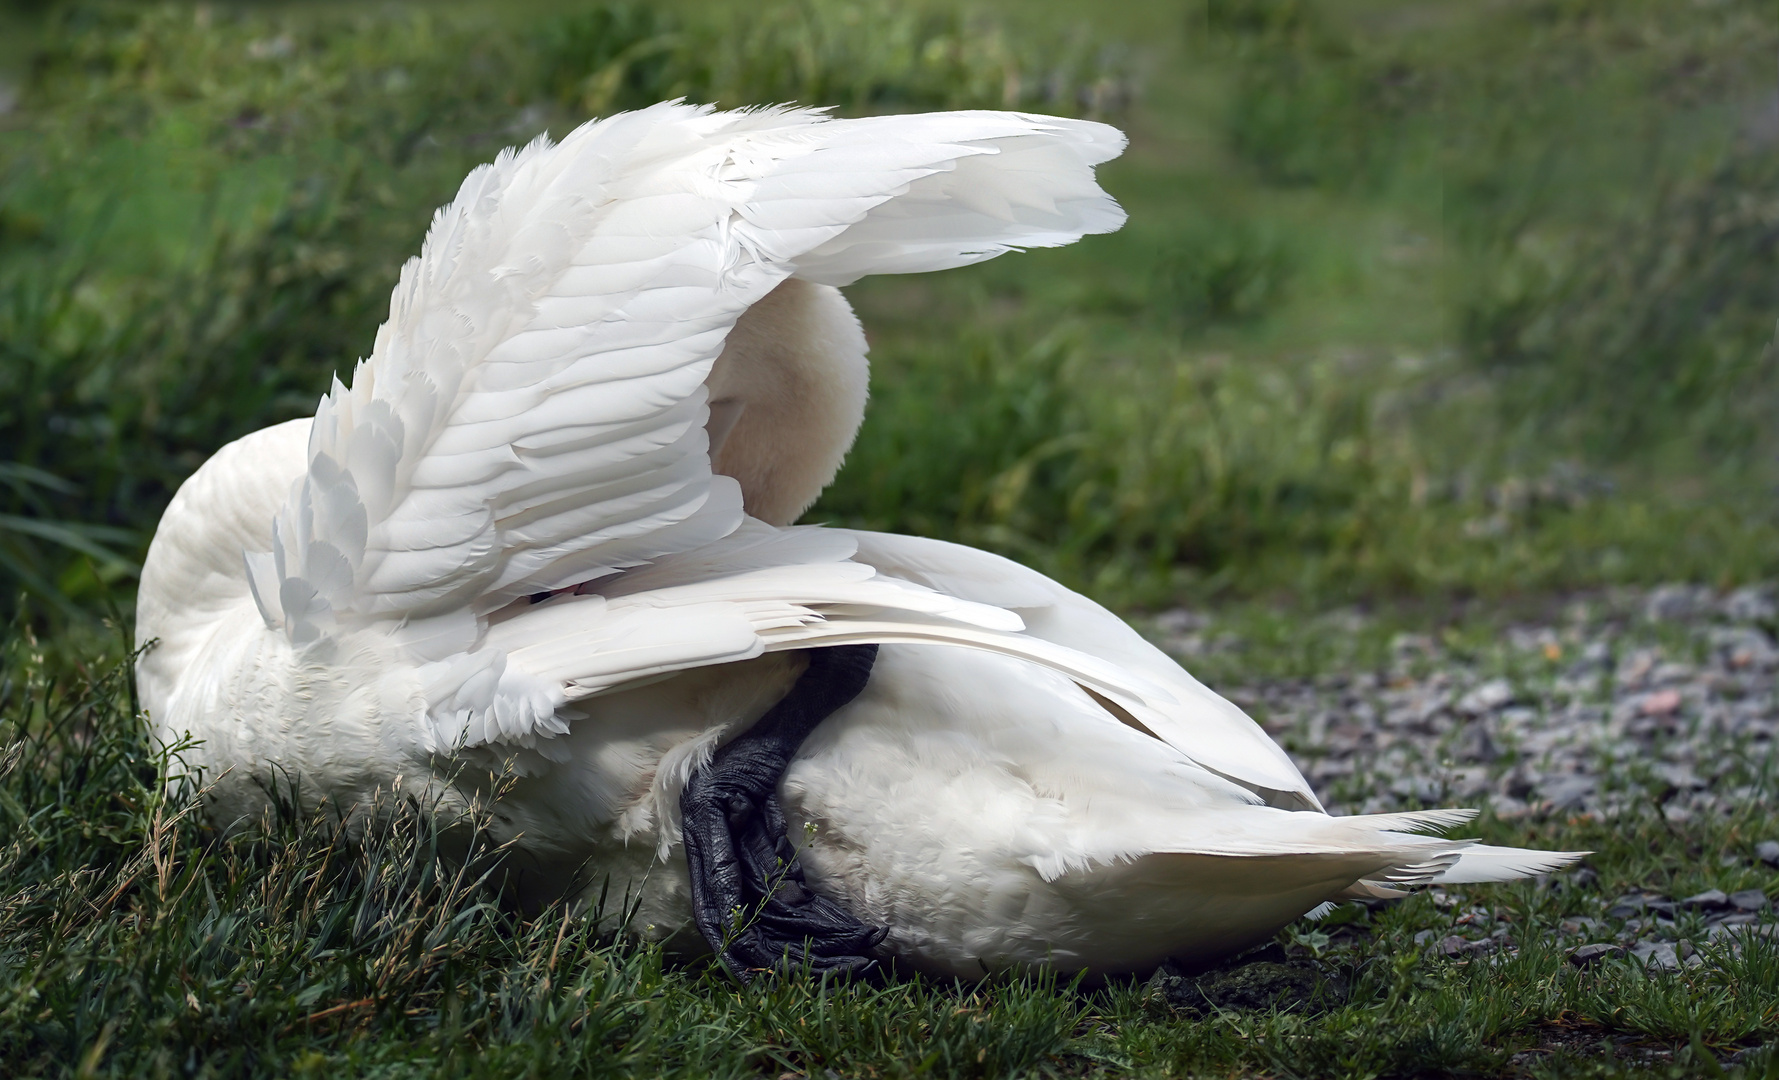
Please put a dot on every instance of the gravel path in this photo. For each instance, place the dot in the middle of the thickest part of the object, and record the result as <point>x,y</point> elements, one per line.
<point>1629,702</point>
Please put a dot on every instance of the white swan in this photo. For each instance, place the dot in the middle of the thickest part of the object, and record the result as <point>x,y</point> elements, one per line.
<point>516,548</point>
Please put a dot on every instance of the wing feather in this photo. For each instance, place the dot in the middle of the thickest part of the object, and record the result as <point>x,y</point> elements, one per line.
<point>1200,723</point>
<point>532,414</point>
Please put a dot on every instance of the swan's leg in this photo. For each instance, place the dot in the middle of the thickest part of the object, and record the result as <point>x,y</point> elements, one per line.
<point>748,893</point>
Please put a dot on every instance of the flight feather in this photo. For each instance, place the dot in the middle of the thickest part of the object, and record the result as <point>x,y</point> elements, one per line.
<point>532,415</point>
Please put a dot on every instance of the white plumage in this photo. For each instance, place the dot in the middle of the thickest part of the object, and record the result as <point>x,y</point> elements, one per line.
<point>504,550</point>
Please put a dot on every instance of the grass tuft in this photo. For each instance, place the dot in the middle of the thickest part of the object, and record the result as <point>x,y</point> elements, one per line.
<point>137,940</point>
<point>1468,302</point>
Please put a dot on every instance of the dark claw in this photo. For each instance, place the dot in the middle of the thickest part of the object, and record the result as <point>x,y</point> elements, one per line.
<point>742,862</point>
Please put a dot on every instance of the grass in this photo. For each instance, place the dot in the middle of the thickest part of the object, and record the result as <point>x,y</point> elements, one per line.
<point>1415,299</point>
<point>135,941</point>
<point>1419,303</point>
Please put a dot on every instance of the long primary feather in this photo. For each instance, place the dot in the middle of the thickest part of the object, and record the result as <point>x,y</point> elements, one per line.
<point>532,416</point>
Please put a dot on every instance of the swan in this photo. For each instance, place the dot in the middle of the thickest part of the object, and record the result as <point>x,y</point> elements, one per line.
<point>538,563</point>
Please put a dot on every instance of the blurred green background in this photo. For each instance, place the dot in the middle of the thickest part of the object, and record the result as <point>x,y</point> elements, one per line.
<point>1419,298</point>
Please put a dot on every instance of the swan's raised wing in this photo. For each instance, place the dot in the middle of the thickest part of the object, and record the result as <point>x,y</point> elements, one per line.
<point>533,416</point>
<point>1203,725</point>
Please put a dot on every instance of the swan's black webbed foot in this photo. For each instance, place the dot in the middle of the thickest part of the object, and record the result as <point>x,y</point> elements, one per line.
<point>748,893</point>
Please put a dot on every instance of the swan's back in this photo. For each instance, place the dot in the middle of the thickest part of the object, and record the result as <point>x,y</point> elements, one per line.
<point>194,576</point>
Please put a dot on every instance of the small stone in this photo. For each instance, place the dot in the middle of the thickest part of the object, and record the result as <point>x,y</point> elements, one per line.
<point>1676,602</point>
<point>1634,668</point>
<point>1744,648</point>
<point>1475,745</point>
<point>1632,904</point>
<point>1486,698</point>
<point>1593,954</point>
<point>1457,946</point>
<point>1684,713</point>
<point>1422,937</point>
<point>1508,808</point>
<point>1670,673</point>
<point>1518,716</point>
<point>1660,955</point>
<point>1516,783</point>
<point>1732,918</point>
<point>1566,791</point>
<point>1678,777</point>
<point>1420,788</point>
<point>1471,783</point>
<point>1741,929</point>
<point>1750,900</point>
<point>1660,703</point>
<point>1751,604</point>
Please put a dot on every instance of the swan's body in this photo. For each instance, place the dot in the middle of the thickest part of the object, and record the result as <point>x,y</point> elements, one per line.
<point>505,551</point>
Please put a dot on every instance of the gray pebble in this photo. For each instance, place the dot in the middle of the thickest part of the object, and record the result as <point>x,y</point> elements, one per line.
<point>1750,900</point>
<point>1733,918</point>
<point>1492,695</point>
<point>1751,604</point>
<point>1639,904</point>
<point>1709,900</point>
<point>1736,930</point>
<point>1458,946</point>
<point>1591,954</point>
<point>1671,603</point>
<point>1657,954</point>
<point>1566,791</point>
<point>1476,745</point>
<point>1419,788</point>
<point>1593,713</point>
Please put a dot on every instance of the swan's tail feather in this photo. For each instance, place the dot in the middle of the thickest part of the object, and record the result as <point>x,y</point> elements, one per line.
<point>1479,863</point>
<point>1384,857</point>
<point>1461,863</point>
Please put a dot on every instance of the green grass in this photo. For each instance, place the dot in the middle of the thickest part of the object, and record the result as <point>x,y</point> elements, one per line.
<point>1419,302</point>
<point>135,941</point>
<point>1416,298</point>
